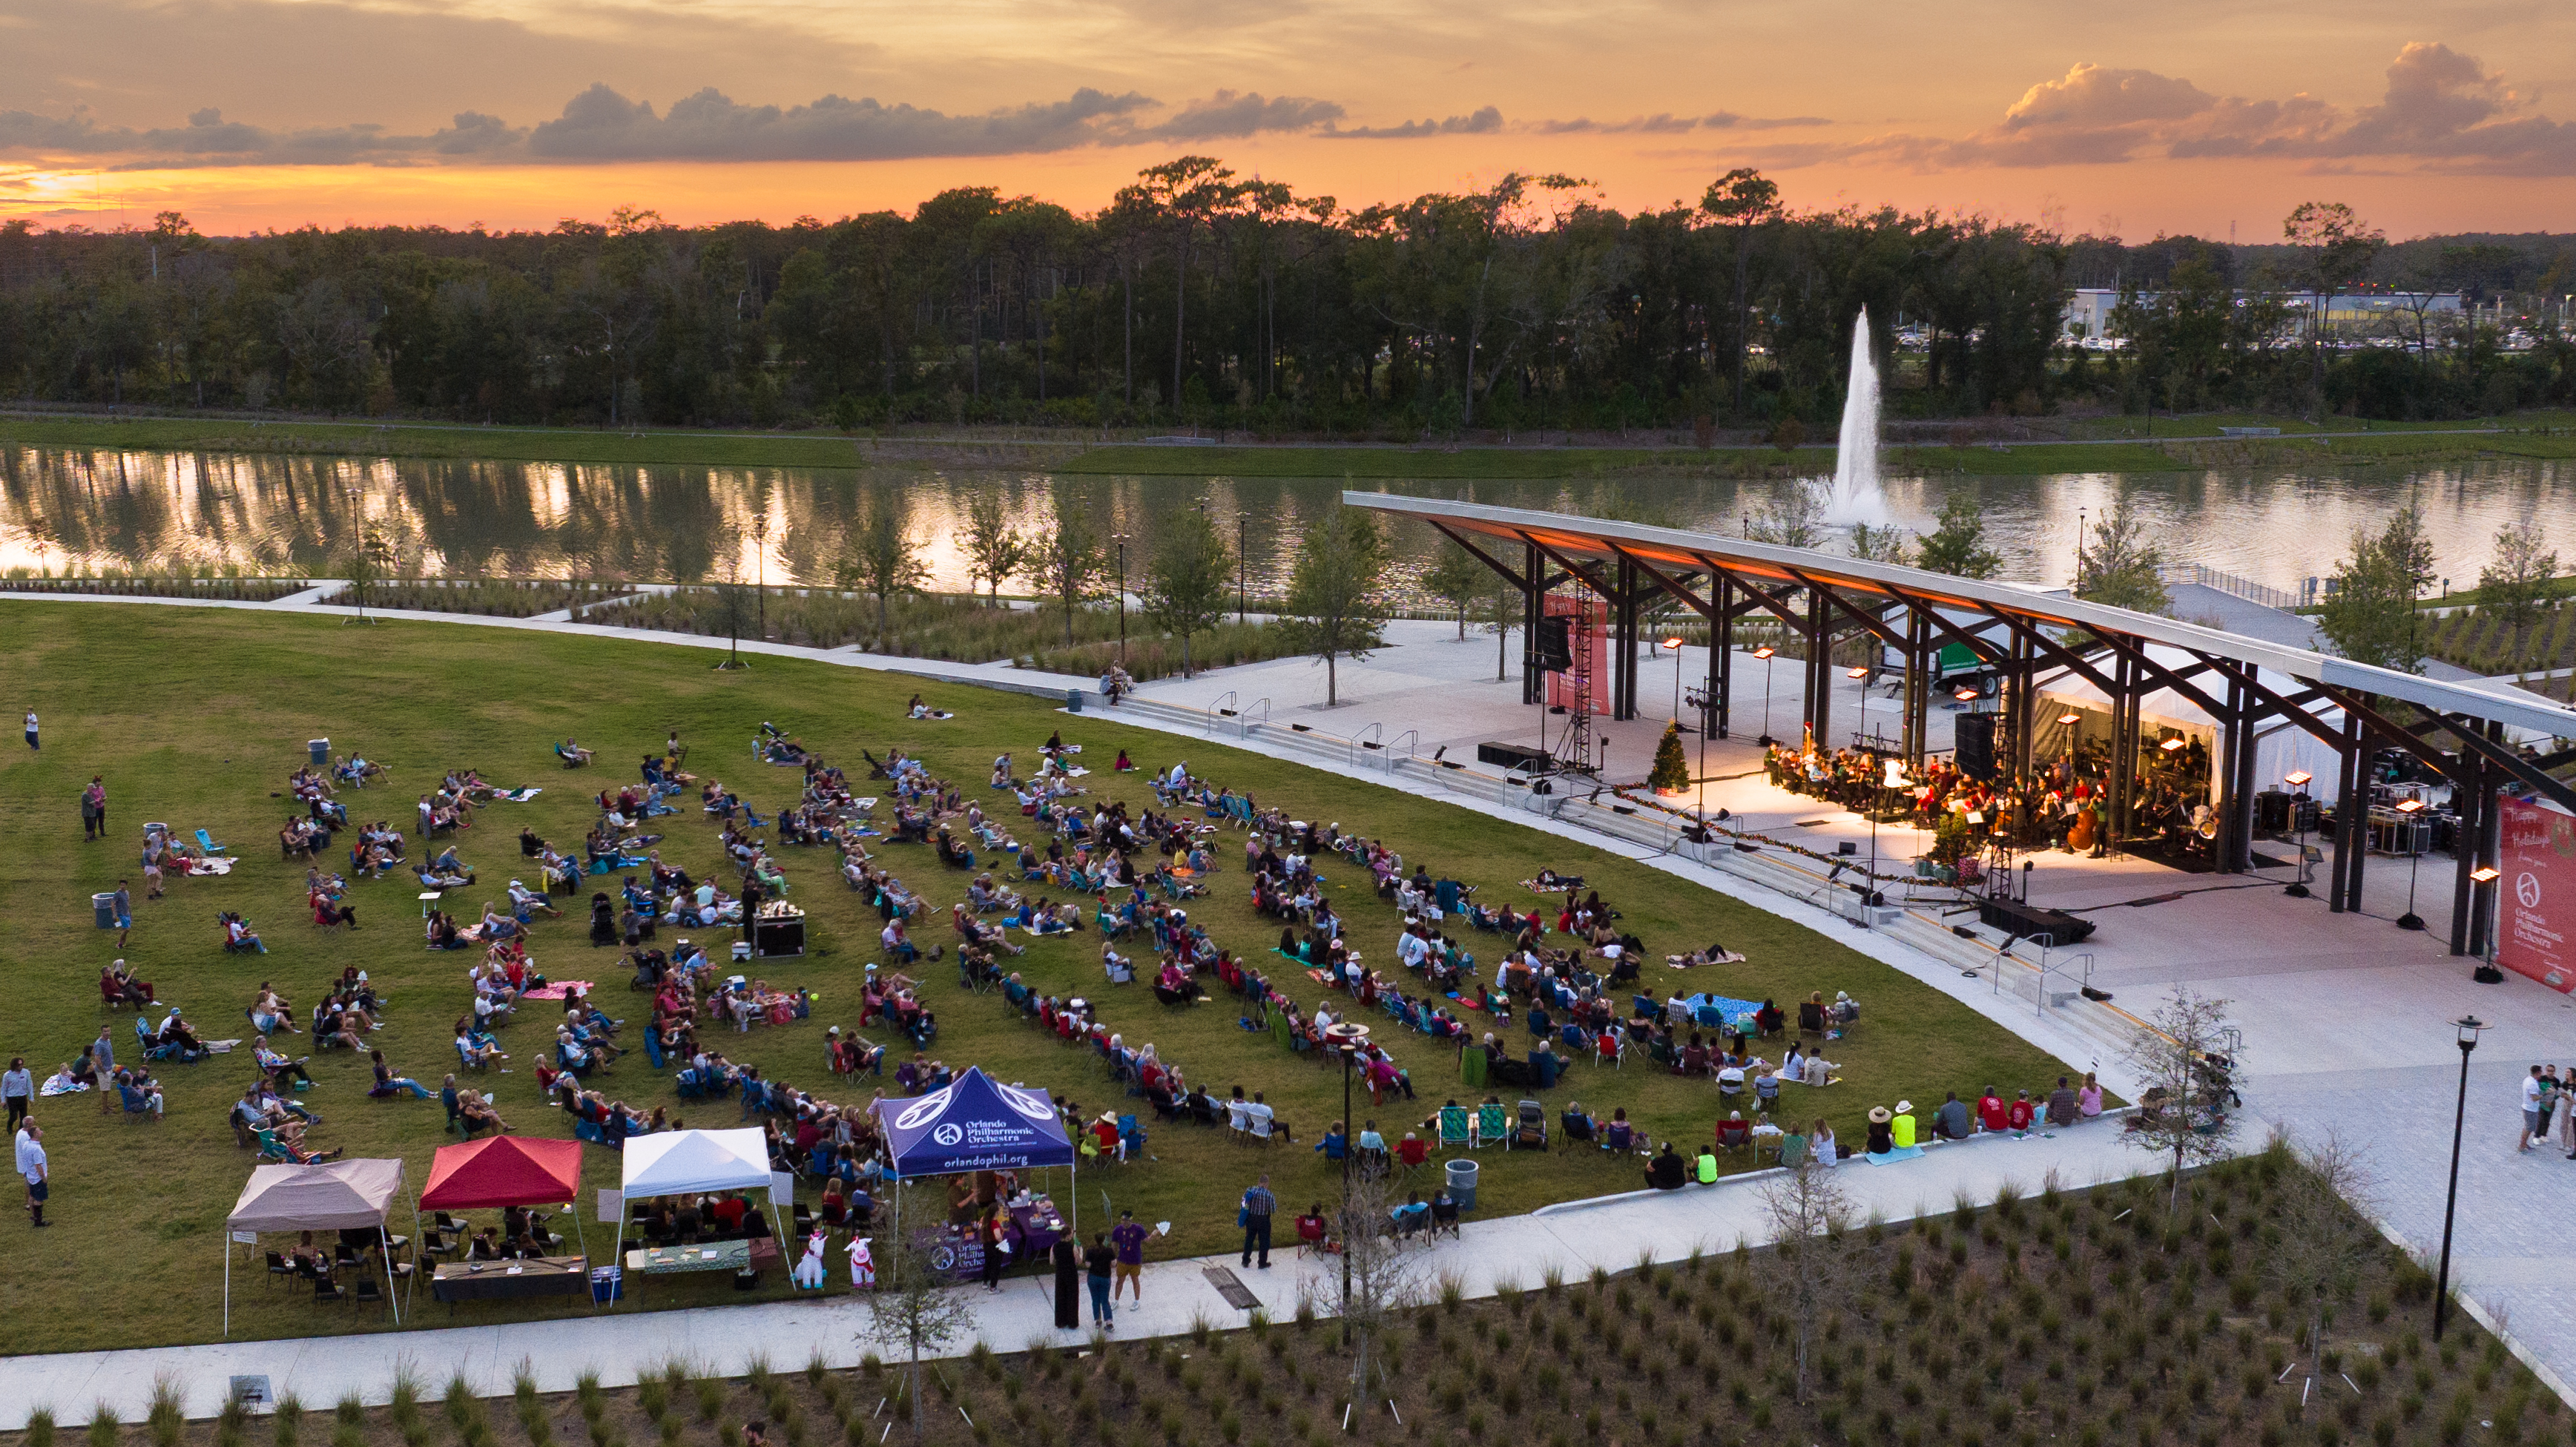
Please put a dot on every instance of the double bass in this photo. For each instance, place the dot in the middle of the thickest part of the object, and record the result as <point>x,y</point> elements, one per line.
<point>2087,831</point>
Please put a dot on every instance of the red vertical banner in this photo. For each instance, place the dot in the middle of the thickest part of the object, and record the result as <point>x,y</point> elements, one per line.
<point>2539,887</point>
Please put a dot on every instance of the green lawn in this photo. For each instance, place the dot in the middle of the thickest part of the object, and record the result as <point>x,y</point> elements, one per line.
<point>197,718</point>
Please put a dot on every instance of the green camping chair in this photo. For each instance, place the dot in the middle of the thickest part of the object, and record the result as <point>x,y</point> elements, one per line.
<point>1453,1125</point>
<point>1493,1125</point>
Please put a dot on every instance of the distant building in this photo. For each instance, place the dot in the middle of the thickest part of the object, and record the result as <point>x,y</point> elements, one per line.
<point>2088,308</point>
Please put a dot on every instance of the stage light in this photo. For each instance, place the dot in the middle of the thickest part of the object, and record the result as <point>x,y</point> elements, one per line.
<point>2297,778</point>
<point>1670,643</point>
<point>2486,874</point>
<point>1964,695</point>
<point>1764,652</point>
<point>2170,745</point>
<point>2410,806</point>
<point>2070,718</point>
<point>1856,673</point>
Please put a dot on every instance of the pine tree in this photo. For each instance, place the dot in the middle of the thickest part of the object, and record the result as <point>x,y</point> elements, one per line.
<point>1672,771</point>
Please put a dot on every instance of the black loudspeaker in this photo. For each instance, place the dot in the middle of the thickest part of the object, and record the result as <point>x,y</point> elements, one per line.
<point>1554,649</point>
<point>2272,811</point>
<point>1974,733</point>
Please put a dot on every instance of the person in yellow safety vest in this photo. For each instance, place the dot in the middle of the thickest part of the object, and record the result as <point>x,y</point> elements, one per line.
<point>1902,1128</point>
<point>1707,1165</point>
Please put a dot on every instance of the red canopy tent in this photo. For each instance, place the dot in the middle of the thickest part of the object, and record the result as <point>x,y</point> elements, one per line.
<point>507,1170</point>
<point>504,1170</point>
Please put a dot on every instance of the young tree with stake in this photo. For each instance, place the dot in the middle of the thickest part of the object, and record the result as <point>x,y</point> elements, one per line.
<point>994,549</point>
<point>885,558</point>
<point>912,1311</point>
<point>1813,1260</point>
<point>2183,1107</point>
<point>1066,562</point>
<point>1333,609</point>
<point>1456,578</point>
<point>1186,582</point>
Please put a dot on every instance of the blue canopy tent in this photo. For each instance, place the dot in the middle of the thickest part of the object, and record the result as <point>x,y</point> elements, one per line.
<point>976,1123</point>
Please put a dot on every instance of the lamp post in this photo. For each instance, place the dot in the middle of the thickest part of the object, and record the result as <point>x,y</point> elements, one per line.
<point>2298,779</point>
<point>1345,1039</point>
<point>1766,652</point>
<point>760,562</point>
<point>1121,540</point>
<point>2487,875</point>
<point>2407,809</point>
<point>2068,720</point>
<point>1860,675</point>
<point>1673,646</point>
<point>2469,1027</point>
<point>1243,567</point>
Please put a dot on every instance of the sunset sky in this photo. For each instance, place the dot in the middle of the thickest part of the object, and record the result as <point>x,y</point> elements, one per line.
<point>2175,116</point>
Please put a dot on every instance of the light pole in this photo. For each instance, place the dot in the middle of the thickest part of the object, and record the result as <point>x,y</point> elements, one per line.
<point>1346,1039</point>
<point>1766,652</point>
<point>2298,779</point>
<point>1243,567</point>
<point>1121,540</point>
<point>1860,676</point>
<point>1673,646</point>
<point>2407,809</point>
<point>760,561</point>
<point>2469,1027</point>
<point>2068,720</point>
<point>2487,875</point>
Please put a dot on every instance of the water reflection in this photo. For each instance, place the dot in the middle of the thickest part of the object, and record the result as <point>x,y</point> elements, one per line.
<point>92,509</point>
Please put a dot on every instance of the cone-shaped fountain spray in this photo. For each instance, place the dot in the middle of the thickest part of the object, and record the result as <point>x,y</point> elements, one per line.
<point>1856,497</point>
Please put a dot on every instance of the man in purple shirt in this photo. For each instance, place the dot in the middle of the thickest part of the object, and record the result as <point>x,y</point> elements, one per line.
<point>1129,1237</point>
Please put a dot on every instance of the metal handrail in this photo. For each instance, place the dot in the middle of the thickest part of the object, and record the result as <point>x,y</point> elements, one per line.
<point>1218,710</point>
<point>1351,746</point>
<point>1410,750</point>
<point>1244,721</point>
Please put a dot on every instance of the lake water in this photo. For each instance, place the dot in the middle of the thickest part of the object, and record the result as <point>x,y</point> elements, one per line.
<point>92,509</point>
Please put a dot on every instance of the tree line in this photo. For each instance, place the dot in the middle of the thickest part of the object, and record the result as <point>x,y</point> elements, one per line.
<point>1198,297</point>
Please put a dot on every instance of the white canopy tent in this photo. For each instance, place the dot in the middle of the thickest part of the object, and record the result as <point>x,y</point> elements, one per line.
<point>326,1196</point>
<point>2281,747</point>
<point>676,1163</point>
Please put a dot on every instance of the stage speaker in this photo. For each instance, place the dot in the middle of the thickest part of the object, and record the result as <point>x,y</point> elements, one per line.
<point>1553,650</point>
<point>2272,811</point>
<point>1974,733</point>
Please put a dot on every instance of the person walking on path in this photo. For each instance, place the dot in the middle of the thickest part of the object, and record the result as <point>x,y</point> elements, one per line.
<point>1097,1262</point>
<point>94,808</point>
<point>1129,1237</point>
<point>1068,1284</point>
<point>31,728</point>
<point>18,1087</point>
<point>1258,1206</point>
<point>2531,1092</point>
<point>31,1165</point>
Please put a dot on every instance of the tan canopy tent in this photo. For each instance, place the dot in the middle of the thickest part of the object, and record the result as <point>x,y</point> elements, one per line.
<point>329,1196</point>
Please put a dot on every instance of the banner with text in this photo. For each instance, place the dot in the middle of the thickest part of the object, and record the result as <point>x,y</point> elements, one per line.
<point>2539,893</point>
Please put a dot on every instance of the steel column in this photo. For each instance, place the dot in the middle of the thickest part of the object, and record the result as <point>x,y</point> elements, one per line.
<point>1721,658</point>
<point>2360,844</point>
<point>1623,613</point>
<point>2338,868</point>
<point>1820,692</point>
<point>1532,606</point>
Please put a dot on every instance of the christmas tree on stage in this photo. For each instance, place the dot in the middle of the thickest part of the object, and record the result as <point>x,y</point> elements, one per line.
<point>1671,773</point>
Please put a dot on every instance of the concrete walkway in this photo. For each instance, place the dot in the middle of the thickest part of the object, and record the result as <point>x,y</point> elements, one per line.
<point>1614,1233</point>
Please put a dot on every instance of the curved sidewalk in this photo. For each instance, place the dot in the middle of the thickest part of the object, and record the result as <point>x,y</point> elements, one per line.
<point>1615,1233</point>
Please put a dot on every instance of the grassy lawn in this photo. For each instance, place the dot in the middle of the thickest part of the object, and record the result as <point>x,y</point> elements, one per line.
<point>197,719</point>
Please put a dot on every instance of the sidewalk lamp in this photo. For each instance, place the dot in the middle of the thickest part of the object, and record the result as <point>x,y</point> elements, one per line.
<point>2298,779</point>
<point>1860,675</point>
<point>1673,646</point>
<point>1345,1040</point>
<point>2469,1027</point>
<point>2407,809</point>
<point>1121,540</point>
<point>1766,653</point>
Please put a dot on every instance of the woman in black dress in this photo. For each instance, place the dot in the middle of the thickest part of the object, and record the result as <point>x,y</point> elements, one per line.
<point>1068,1285</point>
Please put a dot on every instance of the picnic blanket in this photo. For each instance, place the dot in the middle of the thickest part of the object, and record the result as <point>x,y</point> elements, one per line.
<point>1889,1158</point>
<point>517,796</point>
<point>1736,1012</point>
<point>1683,962</point>
<point>206,866</point>
<point>62,1087</point>
<point>554,989</point>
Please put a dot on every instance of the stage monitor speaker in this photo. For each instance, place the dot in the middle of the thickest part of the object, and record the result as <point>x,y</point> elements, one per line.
<point>1554,649</point>
<point>1974,733</point>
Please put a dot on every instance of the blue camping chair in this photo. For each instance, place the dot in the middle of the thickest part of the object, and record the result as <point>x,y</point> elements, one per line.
<point>208,844</point>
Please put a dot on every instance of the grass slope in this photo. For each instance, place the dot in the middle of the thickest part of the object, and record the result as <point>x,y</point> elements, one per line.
<point>197,718</point>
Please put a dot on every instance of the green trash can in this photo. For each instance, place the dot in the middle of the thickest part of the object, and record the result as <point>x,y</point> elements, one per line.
<point>320,750</point>
<point>1462,1183</point>
<point>1073,700</point>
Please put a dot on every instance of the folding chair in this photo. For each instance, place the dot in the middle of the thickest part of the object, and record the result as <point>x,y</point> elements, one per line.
<point>1454,1126</point>
<point>208,844</point>
<point>1493,1126</point>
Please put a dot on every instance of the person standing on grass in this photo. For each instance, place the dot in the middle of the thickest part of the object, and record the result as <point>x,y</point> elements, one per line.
<point>94,808</point>
<point>31,728</point>
<point>124,911</point>
<point>1129,1237</point>
<point>102,1059</point>
<point>1258,1206</point>
<point>1097,1263</point>
<point>31,1165</point>
<point>18,1087</point>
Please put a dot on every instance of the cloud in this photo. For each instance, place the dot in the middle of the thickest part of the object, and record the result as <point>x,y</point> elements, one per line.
<point>600,125</point>
<point>1228,114</point>
<point>1667,124</point>
<point>1485,121</point>
<point>2439,106</point>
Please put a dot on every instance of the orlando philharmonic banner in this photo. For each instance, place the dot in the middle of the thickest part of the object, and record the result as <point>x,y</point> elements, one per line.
<point>2539,894</point>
